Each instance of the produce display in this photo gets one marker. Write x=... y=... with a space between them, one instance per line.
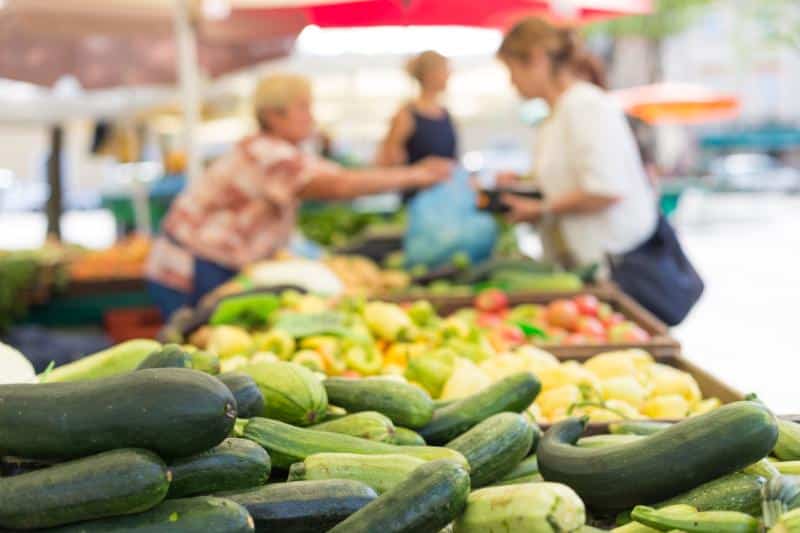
x=124 y=259
x=166 y=449
x=457 y=356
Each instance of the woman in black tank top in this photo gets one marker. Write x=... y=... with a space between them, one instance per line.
x=421 y=128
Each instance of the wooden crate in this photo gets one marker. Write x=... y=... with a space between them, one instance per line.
x=710 y=385
x=660 y=343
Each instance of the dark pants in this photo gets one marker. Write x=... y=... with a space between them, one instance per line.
x=207 y=277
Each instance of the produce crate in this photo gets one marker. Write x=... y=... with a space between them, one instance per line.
x=710 y=385
x=660 y=343
x=132 y=323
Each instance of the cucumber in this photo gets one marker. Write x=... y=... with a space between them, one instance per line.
x=119 y=359
x=107 y=484
x=429 y=499
x=526 y=468
x=292 y=393
x=169 y=356
x=660 y=466
x=637 y=427
x=407 y=437
x=788 y=446
x=287 y=444
x=249 y=400
x=494 y=447
x=174 y=412
x=734 y=492
x=207 y=362
x=369 y=425
x=601 y=441
x=696 y=521
x=202 y=514
x=513 y=393
x=404 y=404
x=381 y=472
x=530 y=507
x=235 y=464
x=303 y=506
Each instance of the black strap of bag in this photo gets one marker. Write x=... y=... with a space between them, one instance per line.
x=659 y=276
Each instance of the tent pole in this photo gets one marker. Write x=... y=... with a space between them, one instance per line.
x=188 y=74
x=54 y=205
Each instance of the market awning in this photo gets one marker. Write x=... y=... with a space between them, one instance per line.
x=493 y=14
x=113 y=45
x=678 y=103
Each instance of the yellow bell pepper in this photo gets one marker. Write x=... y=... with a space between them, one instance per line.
x=597 y=414
x=668 y=407
x=422 y=313
x=455 y=327
x=230 y=364
x=667 y=380
x=625 y=388
x=366 y=360
x=310 y=359
x=704 y=406
x=620 y=363
x=388 y=321
x=227 y=341
x=263 y=357
x=568 y=373
x=467 y=379
x=625 y=409
x=535 y=359
x=502 y=366
x=276 y=341
x=559 y=399
x=322 y=344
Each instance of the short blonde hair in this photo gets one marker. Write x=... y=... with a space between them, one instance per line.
x=419 y=65
x=277 y=91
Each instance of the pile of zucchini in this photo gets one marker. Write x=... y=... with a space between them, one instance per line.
x=163 y=443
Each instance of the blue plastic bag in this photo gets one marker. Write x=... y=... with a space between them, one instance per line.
x=444 y=220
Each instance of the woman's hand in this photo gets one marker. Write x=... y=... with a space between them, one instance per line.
x=523 y=209
x=432 y=170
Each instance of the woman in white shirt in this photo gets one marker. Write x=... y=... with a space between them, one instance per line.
x=597 y=198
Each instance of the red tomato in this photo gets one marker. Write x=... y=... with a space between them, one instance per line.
x=587 y=304
x=591 y=327
x=613 y=320
x=563 y=314
x=489 y=320
x=627 y=332
x=491 y=300
x=512 y=334
x=575 y=339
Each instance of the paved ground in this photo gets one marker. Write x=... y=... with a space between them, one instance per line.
x=746 y=328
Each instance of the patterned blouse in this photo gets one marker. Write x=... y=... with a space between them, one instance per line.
x=243 y=209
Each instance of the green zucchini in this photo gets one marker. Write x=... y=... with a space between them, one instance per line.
x=662 y=465
x=107 y=484
x=119 y=359
x=292 y=393
x=494 y=447
x=637 y=427
x=734 y=492
x=429 y=499
x=381 y=472
x=370 y=425
x=287 y=444
x=249 y=400
x=234 y=464
x=302 y=506
x=514 y=393
x=696 y=521
x=788 y=445
x=635 y=527
x=780 y=495
x=601 y=441
x=526 y=468
x=201 y=514
x=407 y=437
x=406 y=405
x=529 y=507
x=207 y=362
x=174 y=412
x=168 y=356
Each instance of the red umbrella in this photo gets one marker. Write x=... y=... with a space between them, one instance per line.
x=483 y=13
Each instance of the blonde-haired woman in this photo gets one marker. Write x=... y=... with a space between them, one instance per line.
x=422 y=127
x=244 y=208
x=597 y=198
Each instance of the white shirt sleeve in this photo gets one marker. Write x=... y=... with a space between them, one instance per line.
x=601 y=146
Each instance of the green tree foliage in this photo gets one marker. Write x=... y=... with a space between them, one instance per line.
x=668 y=18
